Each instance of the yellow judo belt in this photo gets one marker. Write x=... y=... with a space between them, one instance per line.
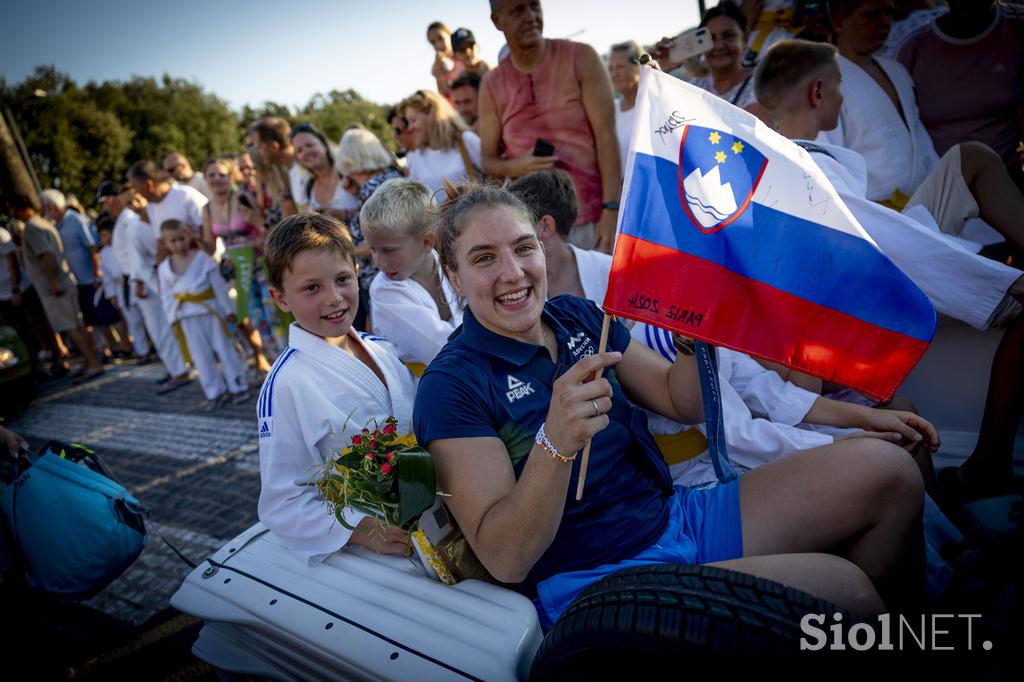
x=897 y=201
x=201 y=298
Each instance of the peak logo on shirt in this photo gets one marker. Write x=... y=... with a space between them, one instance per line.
x=517 y=389
x=266 y=428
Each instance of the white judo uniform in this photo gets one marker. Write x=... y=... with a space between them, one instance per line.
x=958 y=282
x=120 y=255
x=760 y=412
x=897 y=149
x=203 y=322
x=406 y=315
x=142 y=268
x=314 y=400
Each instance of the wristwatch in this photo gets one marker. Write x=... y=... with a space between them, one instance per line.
x=611 y=205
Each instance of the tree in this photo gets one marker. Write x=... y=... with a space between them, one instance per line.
x=79 y=136
x=337 y=110
x=73 y=145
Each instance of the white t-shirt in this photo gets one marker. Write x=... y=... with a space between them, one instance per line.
x=198 y=182
x=624 y=130
x=431 y=166
x=181 y=202
x=341 y=201
x=297 y=176
x=593 y=268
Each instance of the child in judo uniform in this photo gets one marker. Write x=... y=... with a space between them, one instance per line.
x=327 y=385
x=413 y=306
x=195 y=299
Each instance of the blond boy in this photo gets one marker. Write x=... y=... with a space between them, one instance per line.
x=413 y=306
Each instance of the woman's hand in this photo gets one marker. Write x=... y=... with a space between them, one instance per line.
x=390 y=540
x=580 y=404
x=661 y=54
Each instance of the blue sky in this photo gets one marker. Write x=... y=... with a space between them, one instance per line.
x=254 y=50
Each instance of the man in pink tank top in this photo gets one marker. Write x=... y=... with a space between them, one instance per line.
x=552 y=97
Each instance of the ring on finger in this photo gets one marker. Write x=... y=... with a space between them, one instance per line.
x=597 y=410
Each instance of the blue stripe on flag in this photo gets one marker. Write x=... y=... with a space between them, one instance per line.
x=797 y=256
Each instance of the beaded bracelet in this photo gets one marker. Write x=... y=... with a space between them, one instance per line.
x=542 y=440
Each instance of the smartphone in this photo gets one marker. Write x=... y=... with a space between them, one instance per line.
x=690 y=44
x=543 y=148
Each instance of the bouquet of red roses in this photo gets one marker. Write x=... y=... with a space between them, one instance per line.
x=382 y=474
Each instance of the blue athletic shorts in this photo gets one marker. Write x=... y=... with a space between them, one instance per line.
x=703 y=526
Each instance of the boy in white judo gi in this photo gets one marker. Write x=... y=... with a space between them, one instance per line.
x=797 y=83
x=140 y=247
x=327 y=385
x=196 y=302
x=413 y=306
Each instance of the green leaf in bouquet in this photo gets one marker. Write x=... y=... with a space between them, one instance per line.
x=352 y=460
x=417 y=486
x=381 y=484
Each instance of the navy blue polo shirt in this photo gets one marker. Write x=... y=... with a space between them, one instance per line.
x=483 y=384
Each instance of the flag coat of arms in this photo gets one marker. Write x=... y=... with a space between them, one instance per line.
x=730 y=234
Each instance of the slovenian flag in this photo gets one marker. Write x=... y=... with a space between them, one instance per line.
x=730 y=234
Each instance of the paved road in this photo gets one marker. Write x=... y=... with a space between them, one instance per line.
x=199 y=473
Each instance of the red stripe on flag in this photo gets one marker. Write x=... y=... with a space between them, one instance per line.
x=706 y=301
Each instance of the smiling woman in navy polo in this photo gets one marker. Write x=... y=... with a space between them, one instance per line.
x=510 y=400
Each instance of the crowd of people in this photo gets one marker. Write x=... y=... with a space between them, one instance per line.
x=363 y=284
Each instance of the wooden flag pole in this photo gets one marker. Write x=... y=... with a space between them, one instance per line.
x=586 y=446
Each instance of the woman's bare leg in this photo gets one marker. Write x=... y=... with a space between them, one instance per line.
x=825 y=576
x=860 y=499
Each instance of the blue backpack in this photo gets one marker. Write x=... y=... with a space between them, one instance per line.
x=74 y=528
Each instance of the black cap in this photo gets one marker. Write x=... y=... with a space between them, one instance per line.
x=108 y=188
x=462 y=38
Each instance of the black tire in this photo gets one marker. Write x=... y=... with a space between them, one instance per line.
x=686 y=619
